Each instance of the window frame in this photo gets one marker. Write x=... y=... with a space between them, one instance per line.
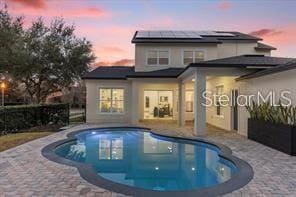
x=192 y=91
x=157 y=58
x=193 y=50
x=218 y=106
x=98 y=101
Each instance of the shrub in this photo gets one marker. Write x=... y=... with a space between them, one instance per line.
x=16 y=118
x=278 y=114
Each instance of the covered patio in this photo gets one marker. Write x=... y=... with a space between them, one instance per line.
x=199 y=74
x=199 y=78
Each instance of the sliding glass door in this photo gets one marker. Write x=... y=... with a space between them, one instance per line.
x=158 y=104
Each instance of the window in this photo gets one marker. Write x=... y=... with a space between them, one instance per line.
x=163 y=57
x=192 y=57
x=219 y=92
x=111 y=100
x=152 y=57
x=189 y=101
x=158 y=57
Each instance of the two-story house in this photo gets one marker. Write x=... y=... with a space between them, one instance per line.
x=172 y=72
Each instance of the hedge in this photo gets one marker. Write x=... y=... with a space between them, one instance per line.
x=17 y=118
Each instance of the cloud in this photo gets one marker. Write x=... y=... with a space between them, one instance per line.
x=38 y=4
x=122 y=62
x=281 y=37
x=224 y=5
x=90 y=12
x=110 y=49
x=64 y=9
x=266 y=32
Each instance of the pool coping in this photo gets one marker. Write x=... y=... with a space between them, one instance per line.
x=243 y=176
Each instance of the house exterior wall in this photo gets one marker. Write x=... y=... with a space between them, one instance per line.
x=275 y=82
x=93 y=115
x=229 y=49
x=92 y=97
x=175 y=54
x=212 y=51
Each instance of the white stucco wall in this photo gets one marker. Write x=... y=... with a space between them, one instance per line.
x=175 y=54
x=232 y=48
x=92 y=97
x=93 y=115
x=212 y=51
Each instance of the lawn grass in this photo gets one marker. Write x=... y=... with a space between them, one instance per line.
x=16 y=139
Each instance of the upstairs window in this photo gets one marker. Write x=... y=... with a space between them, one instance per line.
x=158 y=57
x=192 y=57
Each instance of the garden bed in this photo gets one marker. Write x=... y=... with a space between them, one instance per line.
x=278 y=136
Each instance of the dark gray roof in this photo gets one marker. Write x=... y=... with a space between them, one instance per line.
x=109 y=72
x=124 y=72
x=189 y=36
x=262 y=46
x=164 y=73
x=244 y=61
x=280 y=68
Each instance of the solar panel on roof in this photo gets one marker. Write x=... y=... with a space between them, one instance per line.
x=142 y=34
x=180 y=34
x=154 y=34
x=167 y=34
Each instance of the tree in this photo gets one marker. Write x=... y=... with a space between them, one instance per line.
x=42 y=59
x=50 y=58
x=10 y=34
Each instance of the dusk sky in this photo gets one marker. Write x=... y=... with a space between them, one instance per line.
x=110 y=25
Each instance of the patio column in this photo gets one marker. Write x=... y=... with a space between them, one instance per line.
x=199 y=100
x=181 y=104
x=135 y=103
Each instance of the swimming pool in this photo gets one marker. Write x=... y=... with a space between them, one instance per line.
x=134 y=158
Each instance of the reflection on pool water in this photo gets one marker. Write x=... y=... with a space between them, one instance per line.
x=141 y=159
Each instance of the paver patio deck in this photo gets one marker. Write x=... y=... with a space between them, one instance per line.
x=25 y=172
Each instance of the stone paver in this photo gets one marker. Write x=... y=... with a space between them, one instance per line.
x=25 y=172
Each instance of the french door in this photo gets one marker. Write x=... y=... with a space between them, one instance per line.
x=158 y=104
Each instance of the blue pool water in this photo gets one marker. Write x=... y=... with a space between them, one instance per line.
x=141 y=159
